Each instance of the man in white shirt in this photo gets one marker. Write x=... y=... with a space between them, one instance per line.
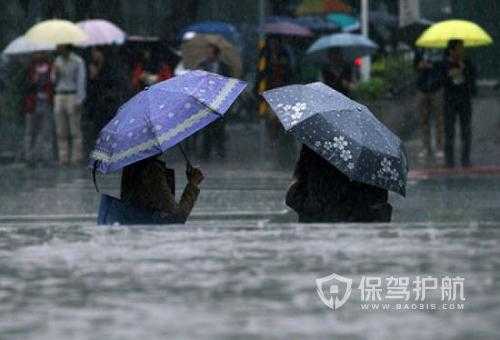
x=69 y=78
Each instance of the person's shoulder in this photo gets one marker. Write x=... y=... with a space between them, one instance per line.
x=76 y=58
x=204 y=63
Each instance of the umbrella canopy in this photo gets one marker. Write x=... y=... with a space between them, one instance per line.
x=285 y=28
x=101 y=32
x=226 y=30
x=343 y=132
x=308 y=7
x=21 y=45
x=410 y=33
x=317 y=24
x=346 y=22
x=57 y=32
x=162 y=116
x=438 y=35
x=383 y=17
x=196 y=50
x=352 y=45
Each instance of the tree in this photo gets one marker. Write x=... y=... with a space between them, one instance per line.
x=182 y=13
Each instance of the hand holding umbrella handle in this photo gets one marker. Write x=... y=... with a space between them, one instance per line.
x=185 y=156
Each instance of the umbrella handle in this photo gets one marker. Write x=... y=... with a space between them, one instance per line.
x=94 y=170
x=185 y=155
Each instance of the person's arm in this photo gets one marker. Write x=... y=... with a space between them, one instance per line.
x=297 y=191
x=157 y=194
x=81 y=83
x=472 y=78
x=54 y=71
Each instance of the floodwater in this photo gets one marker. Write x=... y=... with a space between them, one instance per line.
x=246 y=277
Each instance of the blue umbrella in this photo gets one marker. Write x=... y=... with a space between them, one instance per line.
x=346 y=22
x=224 y=29
x=351 y=45
x=317 y=24
x=343 y=132
x=162 y=116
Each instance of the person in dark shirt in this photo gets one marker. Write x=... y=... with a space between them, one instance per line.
x=323 y=194
x=214 y=137
x=459 y=87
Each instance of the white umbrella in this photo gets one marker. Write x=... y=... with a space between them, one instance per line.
x=101 y=32
x=352 y=46
x=22 y=45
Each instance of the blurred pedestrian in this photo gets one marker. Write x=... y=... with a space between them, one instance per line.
x=459 y=87
x=38 y=134
x=276 y=70
x=147 y=71
x=323 y=194
x=338 y=73
x=69 y=78
x=215 y=135
x=278 y=74
x=429 y=84
x=107 y=88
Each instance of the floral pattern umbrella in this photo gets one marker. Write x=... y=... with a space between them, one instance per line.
x=343 y=132
x=162 y=116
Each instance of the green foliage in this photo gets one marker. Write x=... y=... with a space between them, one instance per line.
x=372 y=89
x=390 y=75
x=394 y=69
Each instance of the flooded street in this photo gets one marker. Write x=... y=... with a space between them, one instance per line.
x=347 y=110
x=248 y=273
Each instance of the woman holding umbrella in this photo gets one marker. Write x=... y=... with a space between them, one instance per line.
x=349 y=160
x=321 y=193
x=459 y=78
x=152 y=122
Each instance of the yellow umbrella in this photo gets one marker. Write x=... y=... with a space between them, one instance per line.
x=55 y=31
x=194 y=51
x=438 y=35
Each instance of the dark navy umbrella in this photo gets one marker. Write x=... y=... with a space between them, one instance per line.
x=162 y=116
x=343 y=132
x=228 y=31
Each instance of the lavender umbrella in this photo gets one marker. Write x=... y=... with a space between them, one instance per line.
x=285 y=28
x=101 y=32
x=162 y=116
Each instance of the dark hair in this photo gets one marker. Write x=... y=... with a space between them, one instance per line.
x=454 y=43
x=215 y=48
